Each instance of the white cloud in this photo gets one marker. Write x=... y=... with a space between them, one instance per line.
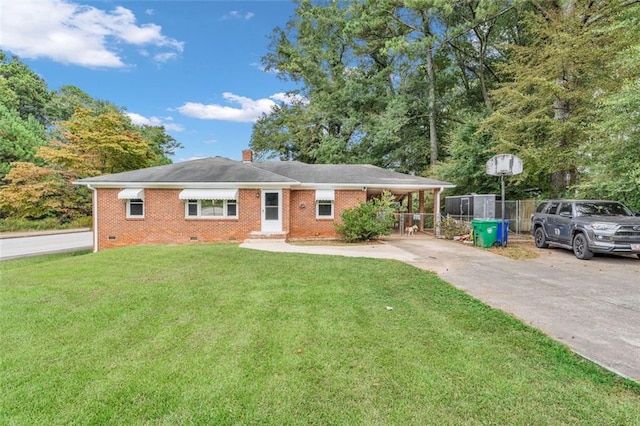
x=166 y=122
x=77 y=34
x=249 y=110
x=165 y=57
x=235 y=14
x=289 y=99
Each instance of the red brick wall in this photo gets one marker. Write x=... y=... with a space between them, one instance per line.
x=164 y=219
x=304 y=223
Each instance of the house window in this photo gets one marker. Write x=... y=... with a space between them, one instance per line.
x=211 y=208
x=324 y=203
x=324 y=209
x=135 y=207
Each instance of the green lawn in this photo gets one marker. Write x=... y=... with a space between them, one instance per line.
x=215 y=334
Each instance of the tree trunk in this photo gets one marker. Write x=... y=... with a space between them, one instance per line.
x=433 y=134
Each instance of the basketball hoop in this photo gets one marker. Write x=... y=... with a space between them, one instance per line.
x=503 y=165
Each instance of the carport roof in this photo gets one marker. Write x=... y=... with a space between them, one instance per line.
x=358 y=174
x=219 y=170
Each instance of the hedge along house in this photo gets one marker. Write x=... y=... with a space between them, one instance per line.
x=218 y=199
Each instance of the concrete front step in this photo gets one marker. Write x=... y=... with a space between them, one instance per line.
x=271 y=236
x=264 y=240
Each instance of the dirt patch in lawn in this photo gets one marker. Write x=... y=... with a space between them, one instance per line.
x=517 y=250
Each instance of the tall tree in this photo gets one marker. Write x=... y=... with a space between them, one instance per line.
x=161 y=144
x=612 y=166
x=19 y=138
x=477 y=33
x=64 y=101
x=30 y=94
x=90 y=144
x=35 y=192
x=316 y=50
x=543 y=112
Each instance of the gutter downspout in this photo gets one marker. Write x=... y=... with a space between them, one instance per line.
x=95 y=217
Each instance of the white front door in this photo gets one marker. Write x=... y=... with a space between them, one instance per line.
x=271 y=210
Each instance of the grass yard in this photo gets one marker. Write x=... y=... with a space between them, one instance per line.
x=215 y=334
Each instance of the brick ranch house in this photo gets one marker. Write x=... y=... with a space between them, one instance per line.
x=217 y=199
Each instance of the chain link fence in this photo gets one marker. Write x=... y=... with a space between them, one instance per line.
x=518 y=212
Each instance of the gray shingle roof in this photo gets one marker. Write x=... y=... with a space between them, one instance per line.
x=212 y=169
x=224 y=170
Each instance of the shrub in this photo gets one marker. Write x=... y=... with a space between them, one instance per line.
x=368 y=221
x=451 y=227
x=19 y=225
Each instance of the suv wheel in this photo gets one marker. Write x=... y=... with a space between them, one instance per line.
x=539 y=238
x=581 y=248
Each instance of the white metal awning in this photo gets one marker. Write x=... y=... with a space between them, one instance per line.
x=131 y=194
x=209 y=194
x=325 y=195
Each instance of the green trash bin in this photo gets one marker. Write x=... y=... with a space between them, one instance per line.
x=485 y=232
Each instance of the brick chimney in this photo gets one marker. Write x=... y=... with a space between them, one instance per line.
x=247 y=156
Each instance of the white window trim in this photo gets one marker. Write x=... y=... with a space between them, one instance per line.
x=135 y=216
x=331 y=202
x=199 y=210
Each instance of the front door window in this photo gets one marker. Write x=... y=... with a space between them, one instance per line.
x=271 y=211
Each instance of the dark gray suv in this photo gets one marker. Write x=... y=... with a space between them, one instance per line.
x=587 y=227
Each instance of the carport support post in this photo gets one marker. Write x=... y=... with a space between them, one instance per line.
x=436 y=211
x=409 y=210
x=421 y=210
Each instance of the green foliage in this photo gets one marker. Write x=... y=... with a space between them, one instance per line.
x=23 y=225
x=161 y=144
x=94 y=143
x=468 y=150
x=65 y=101
x=53 y=138
x=613 y=169
x=545 y=110
x=19 y=138
x=398 y=84
x=368 y=221
x=28 y=92
x=33 y=192
x=452 y=228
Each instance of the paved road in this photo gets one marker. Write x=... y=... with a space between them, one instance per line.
x=18 y=245
x=591 y=306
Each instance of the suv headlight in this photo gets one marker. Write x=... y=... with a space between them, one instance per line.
x=603 y=226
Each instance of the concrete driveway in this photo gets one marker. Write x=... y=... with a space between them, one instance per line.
x=591 y=306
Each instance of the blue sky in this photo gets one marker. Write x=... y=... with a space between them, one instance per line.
x=192 y=66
